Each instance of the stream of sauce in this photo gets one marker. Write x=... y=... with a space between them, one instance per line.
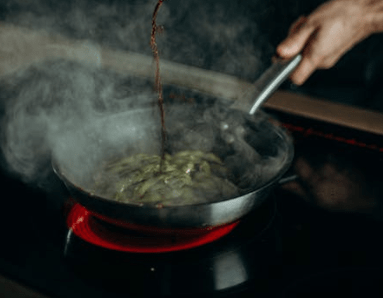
x=158 y=85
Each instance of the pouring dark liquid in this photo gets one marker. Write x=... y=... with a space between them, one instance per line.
x=158 y=85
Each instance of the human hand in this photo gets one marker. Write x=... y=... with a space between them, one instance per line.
x=329 y=32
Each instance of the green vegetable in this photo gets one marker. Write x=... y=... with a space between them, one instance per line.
x=187 y=177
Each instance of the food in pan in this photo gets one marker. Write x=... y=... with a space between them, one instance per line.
x=187 y=177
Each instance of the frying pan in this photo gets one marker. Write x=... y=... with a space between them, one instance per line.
x=137 y=131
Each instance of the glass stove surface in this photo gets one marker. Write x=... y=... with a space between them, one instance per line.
x=327 y=233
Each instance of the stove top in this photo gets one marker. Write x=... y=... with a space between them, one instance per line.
x=224 y=266
x=316 y=235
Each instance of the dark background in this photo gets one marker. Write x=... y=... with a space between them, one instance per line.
x=316 y=240
x=356 y=79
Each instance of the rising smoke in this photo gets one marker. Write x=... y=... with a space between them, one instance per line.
x=58 y=97
x=48 y=100
x=217 y=35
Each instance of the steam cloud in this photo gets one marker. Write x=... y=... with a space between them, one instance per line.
x=217 y=35
x=48 y=101
x=56 y=98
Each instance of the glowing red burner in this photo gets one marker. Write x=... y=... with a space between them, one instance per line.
x=85 y=225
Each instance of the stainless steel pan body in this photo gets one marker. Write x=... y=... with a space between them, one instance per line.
x=137 y=131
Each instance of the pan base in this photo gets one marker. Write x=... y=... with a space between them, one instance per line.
x=100 y=233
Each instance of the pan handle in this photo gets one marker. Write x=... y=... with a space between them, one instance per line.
x=270 y=80
x=288 y=178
